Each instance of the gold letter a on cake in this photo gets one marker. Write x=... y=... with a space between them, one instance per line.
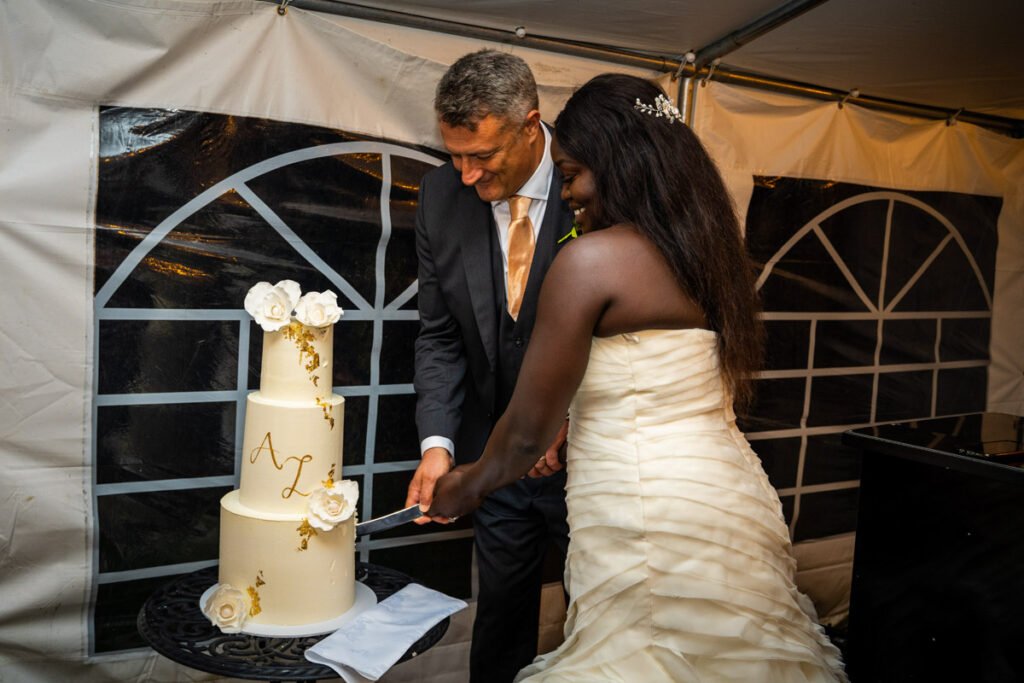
x=268 y=445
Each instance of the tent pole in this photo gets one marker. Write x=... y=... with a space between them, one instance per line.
x=568 y=47
x=686 y=100
x=692 y=114
x=745 y=34
x=1001 y=124
x=723 y=73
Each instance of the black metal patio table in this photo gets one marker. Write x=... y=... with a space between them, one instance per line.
x=172 y=623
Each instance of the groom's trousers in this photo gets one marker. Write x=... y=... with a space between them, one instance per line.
x=514 y=529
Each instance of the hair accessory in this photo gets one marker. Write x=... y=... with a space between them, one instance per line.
x=662 y=108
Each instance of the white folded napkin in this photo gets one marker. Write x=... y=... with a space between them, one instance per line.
x=366 y=647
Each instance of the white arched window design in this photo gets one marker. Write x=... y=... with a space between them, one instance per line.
x=372 y=306
x=864 y=304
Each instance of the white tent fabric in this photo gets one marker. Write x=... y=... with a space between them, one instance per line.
x=241 y=57
x=758 y=133
x=59 y=61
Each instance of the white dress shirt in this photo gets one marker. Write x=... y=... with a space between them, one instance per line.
x=536 y=188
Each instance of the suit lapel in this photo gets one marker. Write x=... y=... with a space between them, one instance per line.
x=477 y=228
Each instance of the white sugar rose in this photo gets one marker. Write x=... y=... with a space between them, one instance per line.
x=227 y=608
x=329 y=507
x=318 y=309
x=272 y=305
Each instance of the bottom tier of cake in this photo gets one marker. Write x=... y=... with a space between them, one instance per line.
x=292 y=576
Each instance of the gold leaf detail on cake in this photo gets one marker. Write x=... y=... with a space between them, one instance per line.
x=254 y=594
x=328 y=410
x=303 y=337
x=329 y=481
x=306 y=532
x=268 y=445
x=254 y=598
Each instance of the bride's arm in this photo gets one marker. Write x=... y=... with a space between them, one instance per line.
x=572 y=300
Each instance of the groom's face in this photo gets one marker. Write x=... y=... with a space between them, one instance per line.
x=498 y=157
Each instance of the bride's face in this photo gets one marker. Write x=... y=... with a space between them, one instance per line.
x=578 y=188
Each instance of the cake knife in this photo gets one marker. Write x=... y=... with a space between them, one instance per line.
x=378 y=524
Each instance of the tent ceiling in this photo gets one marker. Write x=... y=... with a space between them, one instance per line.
x=946 y=53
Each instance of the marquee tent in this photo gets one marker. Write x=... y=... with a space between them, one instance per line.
x=945 y=54
x=157 y=157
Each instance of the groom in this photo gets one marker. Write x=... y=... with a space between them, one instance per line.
x=487 y=229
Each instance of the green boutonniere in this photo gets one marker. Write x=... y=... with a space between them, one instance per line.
x=572 y=234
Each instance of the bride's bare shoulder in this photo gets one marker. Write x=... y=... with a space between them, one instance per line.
x=612 y=243
x=618 y=249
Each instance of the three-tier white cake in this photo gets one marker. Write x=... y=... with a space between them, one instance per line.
x=287 y=533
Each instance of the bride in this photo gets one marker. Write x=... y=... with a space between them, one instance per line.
x=679 y=565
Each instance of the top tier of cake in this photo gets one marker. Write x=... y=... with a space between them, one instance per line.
x=293 y=430
x=292 y=438
x=297 y=363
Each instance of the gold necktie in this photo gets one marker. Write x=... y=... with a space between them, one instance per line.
x=520 y=252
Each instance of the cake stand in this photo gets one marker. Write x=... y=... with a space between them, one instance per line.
x=173 y=625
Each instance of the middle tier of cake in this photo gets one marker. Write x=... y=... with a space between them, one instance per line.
x=289 y=449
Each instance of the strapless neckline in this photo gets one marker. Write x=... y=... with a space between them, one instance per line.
x=659 y=332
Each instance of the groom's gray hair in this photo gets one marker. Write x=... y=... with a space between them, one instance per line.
x=482 y=83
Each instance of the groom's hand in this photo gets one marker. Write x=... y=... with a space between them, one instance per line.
x=435 y=464
x=553 y=459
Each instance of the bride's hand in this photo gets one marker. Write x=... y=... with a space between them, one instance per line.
x=552 y=462
x=455 y=494
x=553 y=459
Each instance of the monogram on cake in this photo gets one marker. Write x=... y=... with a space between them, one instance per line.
x=287 y=534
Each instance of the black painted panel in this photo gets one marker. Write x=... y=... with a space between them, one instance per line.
x=117 y=608
x=445 y=568
x=786 y=344
x=167 y=441
x=904 y=395
x=397 y=439
x=142 y=356
x=826 y=514
x=827 y=460
x=840 y=400
x=845 y=343
x=151 y=529
x=779 y=458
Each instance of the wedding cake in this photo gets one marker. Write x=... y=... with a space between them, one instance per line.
x=287 y=533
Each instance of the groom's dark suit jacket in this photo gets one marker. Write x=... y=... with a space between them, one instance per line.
x=469 y=350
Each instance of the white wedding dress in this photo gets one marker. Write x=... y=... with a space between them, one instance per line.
x=680 y=565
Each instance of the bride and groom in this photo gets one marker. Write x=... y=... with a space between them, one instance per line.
x=679 y=566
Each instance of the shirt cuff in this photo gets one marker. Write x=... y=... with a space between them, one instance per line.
x=434 y=442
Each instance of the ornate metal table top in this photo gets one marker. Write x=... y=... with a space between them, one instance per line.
x=172 y=623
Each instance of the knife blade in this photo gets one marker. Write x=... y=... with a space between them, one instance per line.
x=378 y=524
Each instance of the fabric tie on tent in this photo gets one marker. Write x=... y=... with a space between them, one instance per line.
x=369 y=645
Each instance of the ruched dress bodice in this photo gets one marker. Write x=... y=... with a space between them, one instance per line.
x=679 y=566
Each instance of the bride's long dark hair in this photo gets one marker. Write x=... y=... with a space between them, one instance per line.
x=654 y=173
